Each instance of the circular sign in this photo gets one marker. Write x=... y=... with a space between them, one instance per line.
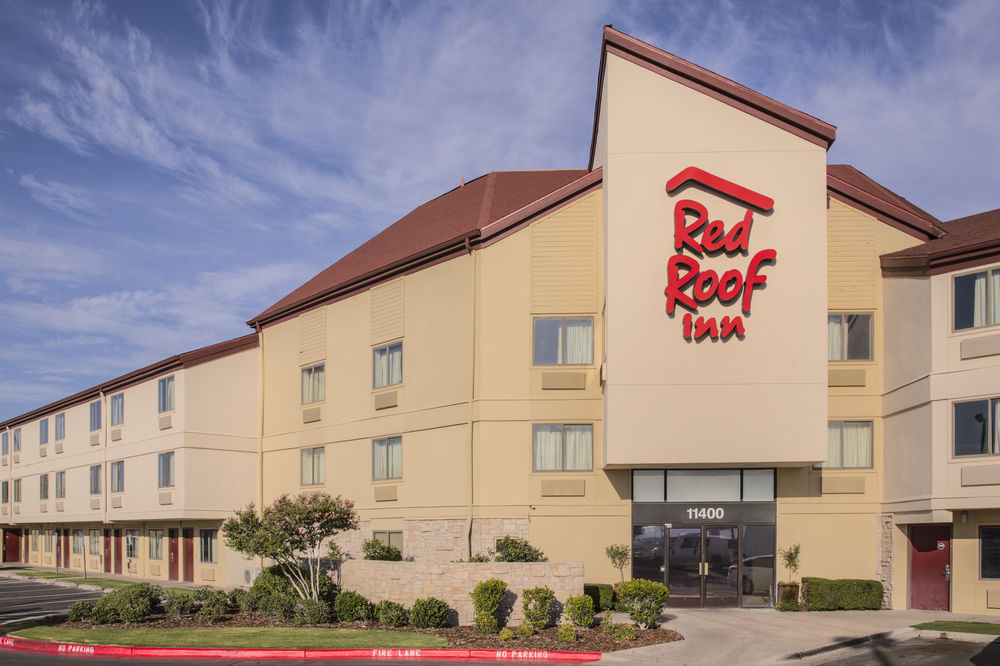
x=940 y=545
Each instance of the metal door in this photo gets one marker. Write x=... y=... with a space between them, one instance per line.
x=930 y=567
x=174 y=554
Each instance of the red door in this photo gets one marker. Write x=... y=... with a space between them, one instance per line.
x=65 y=548
x=118 y=551
x=174 y=555
x=107 y=551
x=12 y=545
x=930 y=567
x=188 y=554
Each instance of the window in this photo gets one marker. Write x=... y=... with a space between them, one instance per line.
x=394 y=539
x=989 y=552
x=165 y=470
x=849 y=337
x=118 y=476
x=17 y=490
x=564 y=341
x=48 y=541
x=156 y=544
x=563 y=448
x=95 y=479
x=60 y=485
x=43 y=487
x=43 y=432
x=35 y=539
x=849 y=445
x=78 y=542
x=703 y=485
x=95 y=415
x=387 y=458
x=17 y=440
x=132 y=543
x=312 y=466
x=60 y=427
x=4 y=443
x=117 y=409
x=313 y=384
x=4 y=492
x=977 y=299
x=976 y=424
x=209 y=545
x=94 y=544
x=165 y=394
x=387 y=365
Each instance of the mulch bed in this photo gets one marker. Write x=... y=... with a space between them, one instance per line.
x=587 y=640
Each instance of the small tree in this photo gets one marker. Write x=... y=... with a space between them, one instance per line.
x=790 y=558
x=289 y=530
x=619 y=554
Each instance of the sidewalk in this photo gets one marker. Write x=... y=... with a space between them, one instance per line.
x=14 y=569
x=733 y=636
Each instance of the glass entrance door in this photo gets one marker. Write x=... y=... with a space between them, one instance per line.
x=647 y=552
x=720 y=566
x=702 y=566
x=684 y=566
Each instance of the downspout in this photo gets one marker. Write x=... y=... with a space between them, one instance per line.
x=260 y=422
x=105 y=472
x=10 y=477
x=472 y=394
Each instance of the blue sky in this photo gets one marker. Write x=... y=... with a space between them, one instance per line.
x=170 y=169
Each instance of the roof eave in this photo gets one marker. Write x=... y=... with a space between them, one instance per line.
x=887 y=212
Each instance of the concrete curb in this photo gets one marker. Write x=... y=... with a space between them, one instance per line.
x=54 y=581
x=956 y=636
x=257 y=654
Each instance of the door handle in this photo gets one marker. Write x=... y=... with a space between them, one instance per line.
x=947 y=572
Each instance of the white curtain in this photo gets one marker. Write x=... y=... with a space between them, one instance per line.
x=979 y=311
x=395 y=363
x=117 y=409
x=857 y=444
x=380 y=367
x=835 y=337
x=166 y=394
x=388 y=365
x=580 y=341
x=994 y=297
x=313 y=384
x=579 y=441
x=395 y=461
x=548 y=447
x=380 y=462
x=305 y=467
x=833 y=457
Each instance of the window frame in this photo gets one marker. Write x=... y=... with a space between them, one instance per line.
x=389 y=441
x=60 y=427
x=845 y=336
x=991 y=428
x=43 y=487
x=155 y=538
x=388 y=348
x=386 y=537
x=16 y=491
x=77 y=541
x=562 y=342
x=95 y=415
x=162 y=394
x=4 y=443
x=116 y=471
x=171 y=480
x=17 y=440
x=979 y=536
x=562 y=451
x=212 y=542
x=954 y=299
x=4 y=492
x=96 y=477
x=94 y=543
x=120 y=416
x=48 y=537
x=311 y=453
x=60 y=485
x=311 y=371
x=132 y=544
x=871 y=443
x=43 y=431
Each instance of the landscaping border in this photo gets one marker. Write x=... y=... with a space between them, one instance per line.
x=370 y=654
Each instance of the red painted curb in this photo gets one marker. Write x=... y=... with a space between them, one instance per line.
x=376 y=654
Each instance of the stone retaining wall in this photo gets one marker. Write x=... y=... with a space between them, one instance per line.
x=405 y=582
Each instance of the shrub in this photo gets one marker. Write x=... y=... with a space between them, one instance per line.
x=391 y=613
x=602 y=594
x=178 y=603
x=580 y=610
x=643 y=600
x=79 y=611
x=203 y=592
x=623 y=633
x=129 y=603
x=486 y=623
x=274 y=581
x=277 y=605
x=374 y=549
x=537 y=603
x=429 y=613
x=479 y=557
x=526 y=630
x=607 y=624
x=241 y=599
x=513 y=549
x=486 y=599
x=506 y=634
x=213 y=606
x=311 y=611
x=620 y=555
x=566 y=633
x=822 y=594
x=788 y=606
x=352 y=607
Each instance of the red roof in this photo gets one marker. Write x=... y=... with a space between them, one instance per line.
x=450 y=218
x=847 y=184
x=969 y=241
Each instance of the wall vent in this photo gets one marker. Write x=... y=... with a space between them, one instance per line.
x=60 y=506
x=166 y=422
x=95 y=439
x=311 y=415
x=43 y=451
x=116 y=502
x=95 y=503
x=59 y=447
x=116 y=434
x=166 y=498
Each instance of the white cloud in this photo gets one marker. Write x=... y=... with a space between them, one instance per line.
x=72 y=201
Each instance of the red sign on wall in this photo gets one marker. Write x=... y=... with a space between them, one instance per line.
x=690 y=286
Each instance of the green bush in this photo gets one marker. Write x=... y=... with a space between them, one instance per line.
x=506 y=634
x=566 y=633
x=643 y=600
x=537 y=604
x=203 y=592
x=603 y=595
x=788 y=606
x=374 y=549
x=823 y=594
x=486 y=599
x=310 y=611
x=623 y=633
x=580 y=610
x=241 y=600
x=352 y=607
x=129 y=603
x=277 y=605
x=513 y=549
x=79 y=611
x=526 y=630
x=486 y=623
x=391 y=613
x=213 y=606
x=274 y=581
x=429 y=613
x=178 y=603
x=479 y=557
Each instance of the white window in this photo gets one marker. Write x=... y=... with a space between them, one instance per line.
x=849 y=337
x=48 y=540
x=387 y=458
x=564 y=340
x=95 y=415
x=132 y=543
x=4 y=492
x=563 y=448
x=312 y=466
x=313 y=384
x=43 y=487
x=17 y=490
x=95 y=479
x=17 y=440
x=165 y=470
x=117 y=409
x=156 y=544
x=849 y=445
x=35 y=538
x=209 y=545
x=94 y=542
x=60 y=427
x=165 y=394
x=977 y=299
x=387 y=365
x=118 y=476
x=43 y=432
x=78 y=542
x=4 y=444
x=60 y=485
x=976 y=427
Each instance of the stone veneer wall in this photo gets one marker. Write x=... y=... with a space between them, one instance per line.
x=405 y=582
x=486 y=531
x=885 y=530
x=434 y=540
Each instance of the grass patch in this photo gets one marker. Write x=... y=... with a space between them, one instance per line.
x=236 y=637
x=988 y=628
x=45 y=574
x=103 y=582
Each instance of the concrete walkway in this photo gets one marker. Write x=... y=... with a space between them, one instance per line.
x=735 y=637
x=15 y=570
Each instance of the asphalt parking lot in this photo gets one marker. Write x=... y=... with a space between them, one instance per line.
x=25 y=599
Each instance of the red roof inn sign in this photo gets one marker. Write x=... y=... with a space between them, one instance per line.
x=691 y=287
